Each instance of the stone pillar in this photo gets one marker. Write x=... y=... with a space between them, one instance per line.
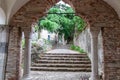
x=94 y=53
x=27 y=54
x=3 y=49
x=13 y=58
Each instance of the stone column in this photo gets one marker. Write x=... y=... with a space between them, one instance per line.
x=3 y=49
x=94 y=53
x=13 y=56
x=27 y=54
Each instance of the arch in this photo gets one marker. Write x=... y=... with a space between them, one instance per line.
x=20 y=3
x=96 y=12
x=14 y=6
x=2 y=16
x=115 y=4
x=93 y=11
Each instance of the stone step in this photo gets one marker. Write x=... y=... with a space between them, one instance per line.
x=63 y=65
x=65 y=54
x=63 y=61
x=61 y=69
x=64 y=58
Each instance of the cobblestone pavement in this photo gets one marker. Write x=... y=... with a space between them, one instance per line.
x=58 y=76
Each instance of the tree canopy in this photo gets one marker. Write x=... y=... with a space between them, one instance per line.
x=62 y=20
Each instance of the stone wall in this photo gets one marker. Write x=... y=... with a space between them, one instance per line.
x=84 y=41
x=92 y=11
x=111 y=43
x=3 y=49
x=14 y=49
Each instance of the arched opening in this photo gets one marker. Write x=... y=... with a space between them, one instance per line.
x=64 y=18
x=91 y=11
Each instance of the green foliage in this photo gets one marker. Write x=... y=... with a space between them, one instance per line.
x=34 y=43
x=77 y=48
x=53 y=18
x=79 y=23
x=49 y=25
x=54 y=10
x=62 y=23
x=23 y=43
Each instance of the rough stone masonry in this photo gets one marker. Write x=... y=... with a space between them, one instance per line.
x=96 y=13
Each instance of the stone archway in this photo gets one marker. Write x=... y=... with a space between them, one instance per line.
x=97 y=13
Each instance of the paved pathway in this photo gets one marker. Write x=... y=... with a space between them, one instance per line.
x=62 y=51
x=58 y=76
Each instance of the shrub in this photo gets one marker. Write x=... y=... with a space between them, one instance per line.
x=23 y=43
x=77 y=48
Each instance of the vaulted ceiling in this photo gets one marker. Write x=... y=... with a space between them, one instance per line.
x=14 y=5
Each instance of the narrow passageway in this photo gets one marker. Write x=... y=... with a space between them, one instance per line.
x=61 y=64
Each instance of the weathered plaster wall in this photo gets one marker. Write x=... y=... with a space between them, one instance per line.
x=84 y=41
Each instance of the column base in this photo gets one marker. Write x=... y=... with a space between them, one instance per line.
x=90 y=78
x=26 y=76
x=94 y=78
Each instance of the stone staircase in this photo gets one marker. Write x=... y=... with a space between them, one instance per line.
x=62 y=62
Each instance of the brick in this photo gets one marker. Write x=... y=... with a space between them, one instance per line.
x=93 y=11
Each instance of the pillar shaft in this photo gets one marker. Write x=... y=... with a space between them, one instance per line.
x=27 y=55
x=94 y=59
x=94 y=54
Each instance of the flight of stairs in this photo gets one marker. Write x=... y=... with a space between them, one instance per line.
x=62 y=62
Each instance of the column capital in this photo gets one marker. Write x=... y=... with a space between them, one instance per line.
x=95 y=31
x=27 y=32
x=27 y=35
